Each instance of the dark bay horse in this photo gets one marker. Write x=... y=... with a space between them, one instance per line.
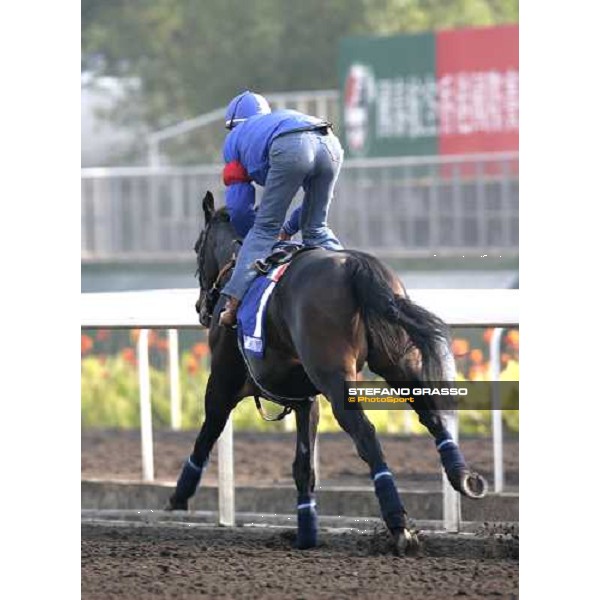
x=332 y=313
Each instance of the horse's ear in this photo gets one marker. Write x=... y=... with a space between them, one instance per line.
x=208 y=206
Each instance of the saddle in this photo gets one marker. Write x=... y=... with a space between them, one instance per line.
x=283 y=252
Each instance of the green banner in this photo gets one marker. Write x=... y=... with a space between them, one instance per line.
x=388 y=96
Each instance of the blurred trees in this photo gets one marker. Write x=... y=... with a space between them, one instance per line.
x=191 y=57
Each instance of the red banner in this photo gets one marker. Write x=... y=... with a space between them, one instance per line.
x=477 y=72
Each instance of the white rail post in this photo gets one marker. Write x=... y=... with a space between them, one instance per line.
x=226 y=478
x=451 y=498
x=175 y=394
x=495 y=365
x=153 y=151
x=145 y=407
x=316 y=460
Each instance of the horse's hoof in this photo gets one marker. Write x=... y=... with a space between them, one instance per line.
x=306 y=544
x=473 y=485
x=406 y=543
x=173 y=504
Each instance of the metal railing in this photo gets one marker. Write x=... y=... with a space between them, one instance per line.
x=172 y=309
x=418 y=206
x=321 y=103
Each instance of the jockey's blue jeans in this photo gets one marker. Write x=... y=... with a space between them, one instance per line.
x=305 y=159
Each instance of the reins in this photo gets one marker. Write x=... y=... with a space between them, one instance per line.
x=230 y=264
x=212 y=295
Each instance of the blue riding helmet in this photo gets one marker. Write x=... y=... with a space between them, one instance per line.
x=246 y=105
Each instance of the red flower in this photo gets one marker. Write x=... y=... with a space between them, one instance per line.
x=102 y=335
x=128 y=355
x=87 y=343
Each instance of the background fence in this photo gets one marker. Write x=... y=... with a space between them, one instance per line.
x=444 y=205
x=171 y=309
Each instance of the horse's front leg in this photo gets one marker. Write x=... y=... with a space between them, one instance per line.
x=223 y=392
x=307 y=421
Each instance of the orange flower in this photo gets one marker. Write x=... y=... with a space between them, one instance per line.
x=153 y=339
x=477 y=356
x=162 y=344
x=487 y=335
x=512 y=338
x=87 y=343
x=504 y=358
x=460 y=347
x=200 y=350
x=191 y=364
x=134 y=335
x=128 y=355
x=477 y=373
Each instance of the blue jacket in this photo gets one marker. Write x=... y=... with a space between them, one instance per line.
x=249 y=143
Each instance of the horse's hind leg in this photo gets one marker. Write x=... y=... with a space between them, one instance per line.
x=222 y=395
x=459 y=475
x=356 y=424
x=307 y=421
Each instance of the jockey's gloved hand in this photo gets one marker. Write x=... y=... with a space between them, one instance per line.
x=284 y=236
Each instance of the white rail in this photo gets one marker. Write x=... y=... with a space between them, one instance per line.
x=174 y=309
x=321 y=103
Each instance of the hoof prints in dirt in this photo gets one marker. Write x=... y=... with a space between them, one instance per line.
x=152 y=562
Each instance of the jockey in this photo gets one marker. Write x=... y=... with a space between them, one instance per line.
x=282 y=151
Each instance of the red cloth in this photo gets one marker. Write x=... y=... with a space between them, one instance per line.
x=234 y=172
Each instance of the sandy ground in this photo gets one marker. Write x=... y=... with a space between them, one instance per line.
x=132 y=562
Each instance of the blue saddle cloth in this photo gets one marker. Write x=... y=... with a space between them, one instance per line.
x=252 y=313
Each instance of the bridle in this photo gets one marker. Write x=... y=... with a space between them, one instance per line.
x=212 y=292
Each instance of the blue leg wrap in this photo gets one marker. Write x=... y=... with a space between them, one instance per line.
x=392 y=509
x=188 y=480
x=450 y=455
x=307 y=522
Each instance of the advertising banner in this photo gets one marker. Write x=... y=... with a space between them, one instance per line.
x=450 y=92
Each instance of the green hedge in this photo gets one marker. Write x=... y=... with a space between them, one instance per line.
x=110 y=399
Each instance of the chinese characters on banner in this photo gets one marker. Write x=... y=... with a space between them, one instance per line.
x=454 y=92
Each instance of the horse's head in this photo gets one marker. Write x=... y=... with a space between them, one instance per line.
x=215 y=251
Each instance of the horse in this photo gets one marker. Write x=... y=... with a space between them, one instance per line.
x=332 y=313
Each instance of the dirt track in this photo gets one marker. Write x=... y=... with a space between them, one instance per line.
x=132 y=562
x=266 y=458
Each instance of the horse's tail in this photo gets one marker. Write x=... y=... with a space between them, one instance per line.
x=384 y=311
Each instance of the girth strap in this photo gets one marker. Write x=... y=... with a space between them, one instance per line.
x=284 y=413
